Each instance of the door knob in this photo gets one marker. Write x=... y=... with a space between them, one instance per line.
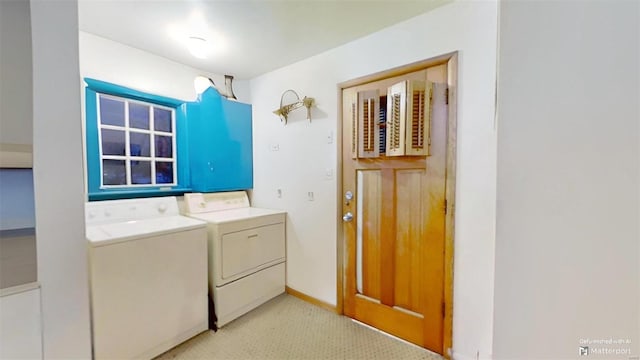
x=347 y=217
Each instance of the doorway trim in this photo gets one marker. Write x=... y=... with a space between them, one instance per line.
x=451 y=59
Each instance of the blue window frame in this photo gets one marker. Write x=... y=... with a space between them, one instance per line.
x=136 y=143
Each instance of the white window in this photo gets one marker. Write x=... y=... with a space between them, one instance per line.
x=137 y=143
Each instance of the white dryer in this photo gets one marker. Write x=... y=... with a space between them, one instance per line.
x=246 y=251
x=148 y=275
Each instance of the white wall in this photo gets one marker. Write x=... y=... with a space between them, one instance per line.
x=568 y=239
x=15 y=73
x=304 y=155
x=58 y=181
x=110 y=61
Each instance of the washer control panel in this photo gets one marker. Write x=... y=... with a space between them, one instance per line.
x=103 y=212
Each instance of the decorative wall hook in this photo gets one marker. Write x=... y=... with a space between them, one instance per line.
x=284 y=110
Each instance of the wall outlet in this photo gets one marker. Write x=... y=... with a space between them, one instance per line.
x=330 y=137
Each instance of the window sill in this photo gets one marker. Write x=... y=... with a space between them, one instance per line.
x=137 y=193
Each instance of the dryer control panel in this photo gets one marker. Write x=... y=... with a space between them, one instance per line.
x=198 y=203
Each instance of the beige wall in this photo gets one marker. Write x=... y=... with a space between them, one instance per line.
x=15 y=73
x=568 y=239
x=58 y=181
x=305 y=155
x=110 y=61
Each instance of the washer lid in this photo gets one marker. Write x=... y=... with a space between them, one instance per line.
x=105 y=234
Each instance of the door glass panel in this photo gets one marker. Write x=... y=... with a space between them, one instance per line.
x=113 y=142
x=114 y=172
x=359 y=235
x=140 y=144
x=164 y=172
x=162 y=119
x=164 y=146
x=140 y=172
x=111 y=111
x=138 y=116
x=368 y=215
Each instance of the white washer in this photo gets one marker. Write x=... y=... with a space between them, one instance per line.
x=246 y=251
x=148 y=273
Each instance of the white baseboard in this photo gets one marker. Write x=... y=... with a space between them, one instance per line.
x=460 y=356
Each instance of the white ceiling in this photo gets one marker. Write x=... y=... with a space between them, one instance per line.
x=246 y=38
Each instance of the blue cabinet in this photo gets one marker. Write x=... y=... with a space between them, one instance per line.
x=220 y=144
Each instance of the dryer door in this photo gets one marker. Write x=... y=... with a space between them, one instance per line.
x=250 y=250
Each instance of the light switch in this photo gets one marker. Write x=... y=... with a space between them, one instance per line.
x=330 y=137
x=310 y=196
x=328 y=174
x=274 y=147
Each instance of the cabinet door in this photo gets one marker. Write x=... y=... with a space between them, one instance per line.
x=20 y=325
x=220 y=144
x=368 y=124
x=237 y=161
x=203 y=117
x=409 y=118
x=353 y=116
x=396 y=115
x=418 y=117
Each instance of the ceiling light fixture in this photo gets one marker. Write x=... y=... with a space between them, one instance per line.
x=197 y=47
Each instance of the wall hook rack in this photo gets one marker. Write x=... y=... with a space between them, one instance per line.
x=284 y=110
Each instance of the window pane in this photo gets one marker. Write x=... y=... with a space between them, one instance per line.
x=138 y=116
x=162 y=120
x=111 y=111
x=114 y=172
x=139 y=144
x=113 y=142
x=164 y=172
x=140 y=172
x=164 y=146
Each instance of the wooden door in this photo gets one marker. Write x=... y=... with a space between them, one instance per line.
x=394 y=229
